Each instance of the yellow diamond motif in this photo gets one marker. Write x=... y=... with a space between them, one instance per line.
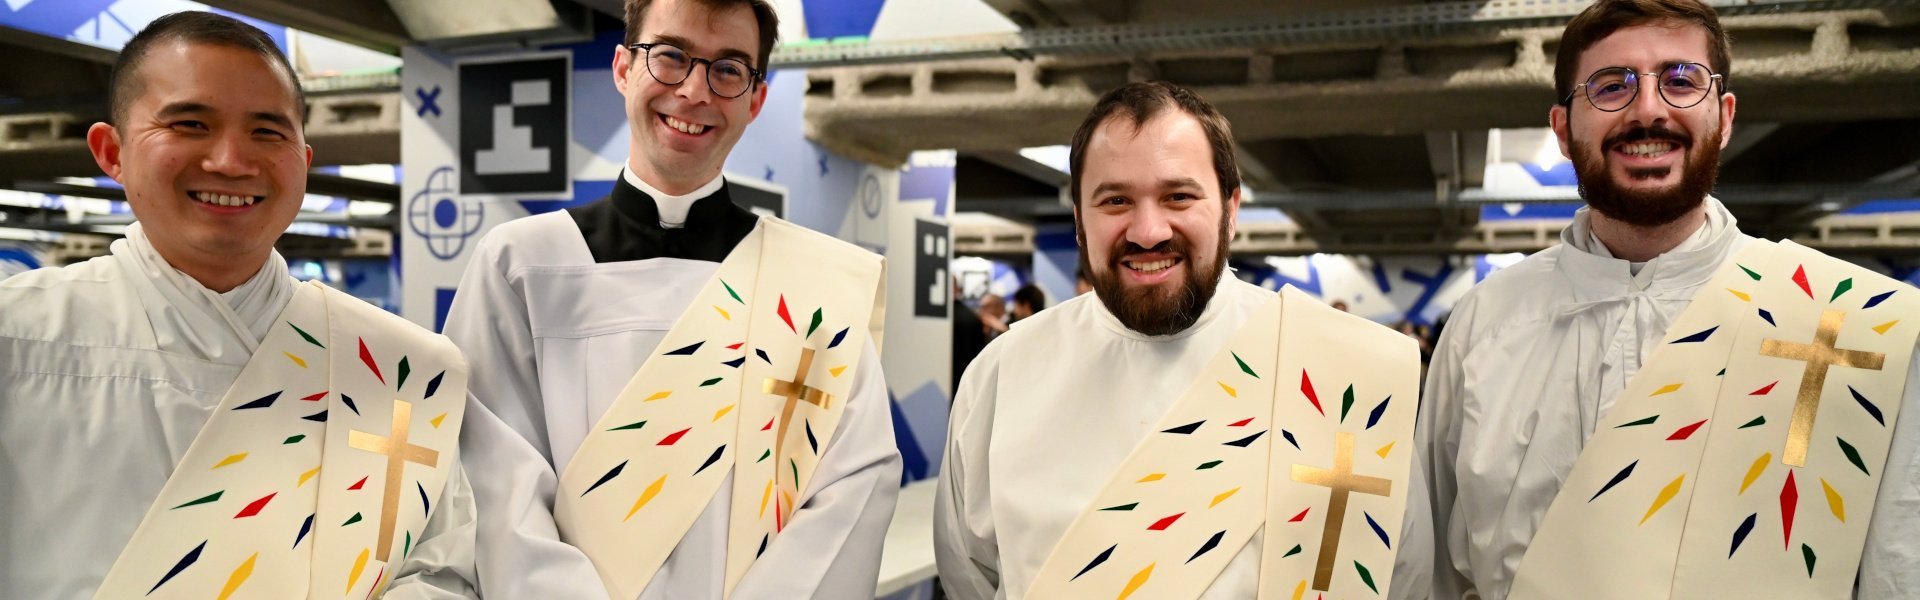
x=231 y=459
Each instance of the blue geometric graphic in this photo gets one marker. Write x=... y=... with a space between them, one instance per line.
x=827 y=19
x=1430 y=285
x=442 y=218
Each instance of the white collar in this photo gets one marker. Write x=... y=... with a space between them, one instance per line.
x=1701 y=236
x=673 y=209
x=196 y=312
x=1683 y=267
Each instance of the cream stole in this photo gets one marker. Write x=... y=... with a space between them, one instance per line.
x=250 y=513
x=1301 y=425
x=751 y=380
x=1743 y=460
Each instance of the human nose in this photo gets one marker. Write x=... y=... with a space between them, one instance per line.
x=1150 y=226
x=695 y=88
x=231 y=157
x=1647 y=107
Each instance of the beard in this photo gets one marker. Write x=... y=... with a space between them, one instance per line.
x=1164 y=309
x=1700 y=168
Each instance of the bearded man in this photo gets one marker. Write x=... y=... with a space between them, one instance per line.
x=1662 y=406
x=1178 y=434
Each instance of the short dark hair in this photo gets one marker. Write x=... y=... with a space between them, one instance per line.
x=1144 y=100
x=1607 y=16
x=193 y=27
x=1031 y=296
x=762 y=13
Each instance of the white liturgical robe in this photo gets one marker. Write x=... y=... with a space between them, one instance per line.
x=1533 y=358
x=108 y=371
x=1020 y=468
x=555 y=320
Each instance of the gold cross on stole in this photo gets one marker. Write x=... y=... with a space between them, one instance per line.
x=1819 y=355
x=398 y=453
x=1342 y=480
x=795 y=392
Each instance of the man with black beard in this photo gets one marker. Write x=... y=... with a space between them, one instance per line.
x=1166 y=437
x=1662 y=406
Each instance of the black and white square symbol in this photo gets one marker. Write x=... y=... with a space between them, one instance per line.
x=514 y=126
x=931 y=290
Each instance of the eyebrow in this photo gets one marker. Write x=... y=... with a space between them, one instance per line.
x=1173 y=183
x=195 y=108
x=182 y=108
x=1659 y=68
x=685 y=44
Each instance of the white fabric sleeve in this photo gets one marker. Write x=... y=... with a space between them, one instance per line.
x=441 y=565
x=1890 y=564
x=1413 y=566
x=1436 y=441
x=966 y=547
x=503 y=442
x=831 y=548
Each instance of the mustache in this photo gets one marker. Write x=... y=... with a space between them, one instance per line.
x=1175 y=245
x=1649 y=134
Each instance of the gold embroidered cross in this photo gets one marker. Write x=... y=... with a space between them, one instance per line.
x=1819 y=356
x=795 y=392
x=1342 y=480
x=398 y=453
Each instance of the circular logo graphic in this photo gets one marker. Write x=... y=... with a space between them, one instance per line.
x=442 y=218
x=869 y=196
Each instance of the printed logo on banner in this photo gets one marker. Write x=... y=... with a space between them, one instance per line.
x=930 y=260
x=515 y=126
x=442 y=218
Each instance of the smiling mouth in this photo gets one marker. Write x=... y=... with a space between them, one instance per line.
x=1151 y=266
x=683 y=126
x=1647 y=149
x=218 y=199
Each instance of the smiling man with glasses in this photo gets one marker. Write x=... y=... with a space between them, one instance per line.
x=1662 y=406
x=678 y=399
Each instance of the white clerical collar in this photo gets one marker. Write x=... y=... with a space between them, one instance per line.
x=1686 y=265
x=1702 y=236
x=248 y=310
x=673 y=209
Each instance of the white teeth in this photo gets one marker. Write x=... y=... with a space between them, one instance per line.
x=1647 y=149
x=685 y=127
x=222 y=199
x=1153 y=267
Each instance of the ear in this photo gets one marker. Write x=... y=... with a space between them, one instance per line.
x=1079 y=227
x=759 y=96
x=1726 y=119
x=622 y=63
x=1233 y=211
x=1557 y=118
x=309 y=148
x=104 y=142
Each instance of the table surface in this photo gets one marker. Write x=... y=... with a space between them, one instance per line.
x=907 y=559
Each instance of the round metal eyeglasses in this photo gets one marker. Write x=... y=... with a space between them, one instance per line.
x=670 y=65
x=1682 y=85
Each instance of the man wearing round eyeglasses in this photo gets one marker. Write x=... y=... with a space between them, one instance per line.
x=1663 y=406
x=675 y=398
